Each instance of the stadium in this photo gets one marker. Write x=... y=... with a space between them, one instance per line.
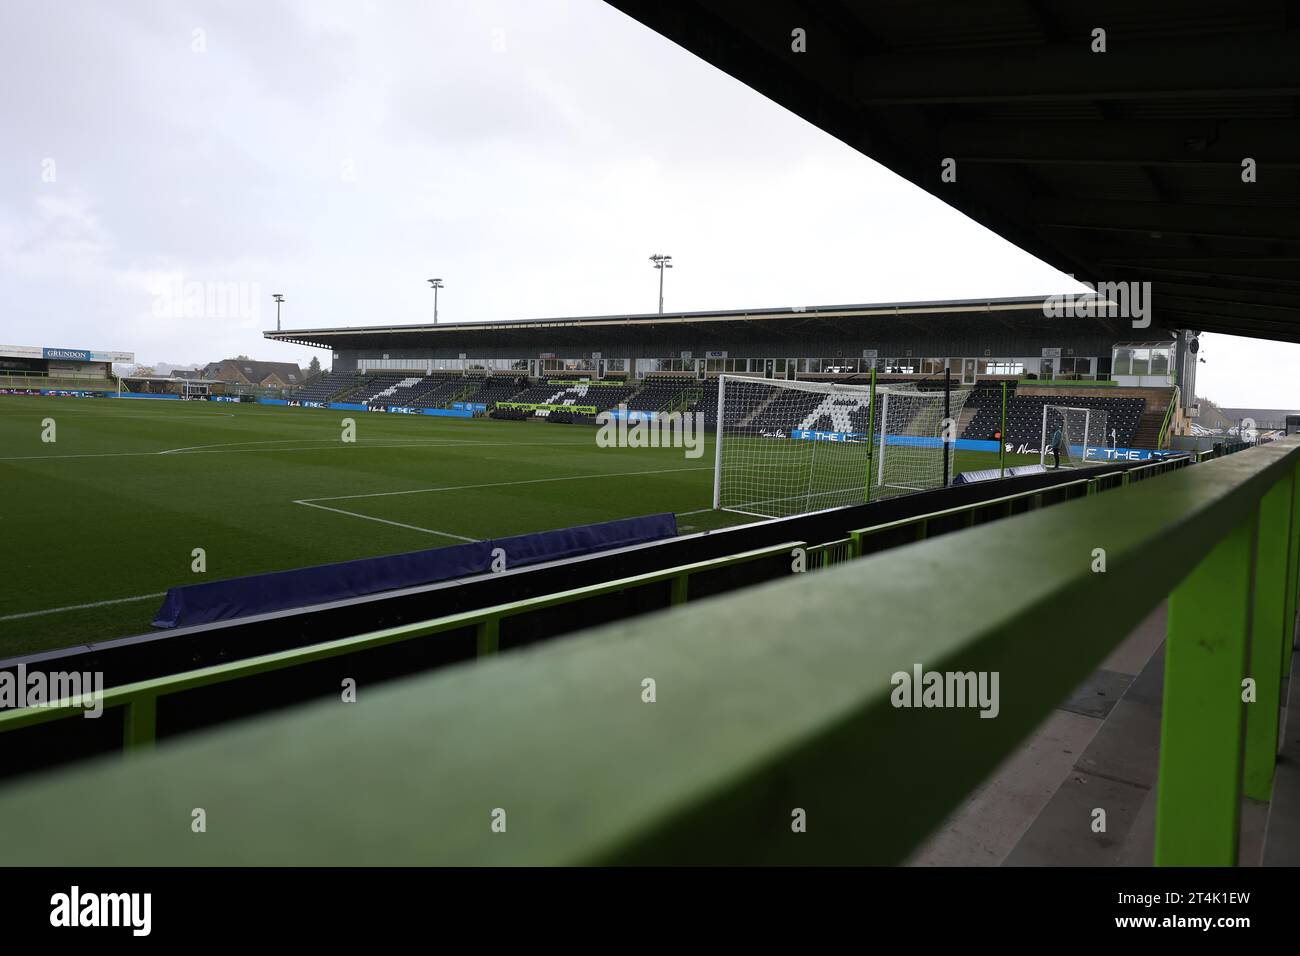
x=793 y=427
x=771 y=558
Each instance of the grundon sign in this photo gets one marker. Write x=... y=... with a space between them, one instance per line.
x=72 y=355
x=67 y=355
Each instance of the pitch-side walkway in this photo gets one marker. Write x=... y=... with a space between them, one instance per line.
x=1099 y=749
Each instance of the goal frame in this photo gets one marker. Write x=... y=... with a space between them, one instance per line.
x=719 y=430
x=1087 y=430
x=876 y=476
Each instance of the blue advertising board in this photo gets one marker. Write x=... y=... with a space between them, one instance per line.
x=922 y=441
x=72 y=355
x=1103 y=454
x=632 y=415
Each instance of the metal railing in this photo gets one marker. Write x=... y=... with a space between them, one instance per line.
x=1162 y=436
x=832 y=553
x=79 y=380
x=139 y=701
x=1008 y=505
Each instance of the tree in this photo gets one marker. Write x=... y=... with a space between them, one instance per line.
x=314 y=367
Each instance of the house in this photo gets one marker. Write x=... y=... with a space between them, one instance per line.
x=240 y=371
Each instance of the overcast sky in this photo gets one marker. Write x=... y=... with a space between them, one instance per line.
x=532 y=153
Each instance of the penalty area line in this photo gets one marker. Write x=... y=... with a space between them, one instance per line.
x=504 y=484
x=395 y=524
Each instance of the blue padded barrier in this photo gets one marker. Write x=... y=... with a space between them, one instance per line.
x=259 y=593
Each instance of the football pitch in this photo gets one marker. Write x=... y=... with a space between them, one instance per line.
x=101 y=520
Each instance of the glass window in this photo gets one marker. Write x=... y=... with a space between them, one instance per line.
x=1123 y=363
x=1160 y=361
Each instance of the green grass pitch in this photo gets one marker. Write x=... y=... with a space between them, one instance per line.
x=109 y=513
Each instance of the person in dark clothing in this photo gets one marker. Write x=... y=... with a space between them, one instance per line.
x=1054 y=443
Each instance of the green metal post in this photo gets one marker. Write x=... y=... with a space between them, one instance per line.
x=139 y=723
x=680 y=587
x=1002 y=431
x=1292 y=574
x=488 y=636
x=1198 y=803
x=1272 y=551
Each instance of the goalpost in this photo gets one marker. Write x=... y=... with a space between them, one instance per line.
x=789 y=447
x=1081 y=428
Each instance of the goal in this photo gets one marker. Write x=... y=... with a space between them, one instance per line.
x=790 y=447
x=1081 y=429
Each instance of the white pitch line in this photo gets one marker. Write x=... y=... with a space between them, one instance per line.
x=411 y=443
x=82 y=607
x=396 y=524
x=230 y=444
x=503 y=484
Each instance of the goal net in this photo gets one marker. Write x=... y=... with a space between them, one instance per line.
x=1080 y=429
x=789 y=447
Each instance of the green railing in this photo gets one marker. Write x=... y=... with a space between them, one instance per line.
x=462 y=394
x=71 y=380
x=968 y=515
x=702 y=733
x=683 y=399
x=832 y=553
x=1162 y=437
x=139 y=701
